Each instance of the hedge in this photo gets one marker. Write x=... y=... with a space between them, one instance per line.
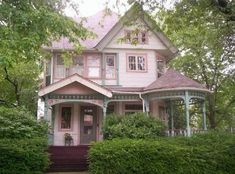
x=203 y=154
x=23 y=142
x=134 y=126
x=26 y=156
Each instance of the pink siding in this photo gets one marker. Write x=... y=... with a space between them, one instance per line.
x=75 y=88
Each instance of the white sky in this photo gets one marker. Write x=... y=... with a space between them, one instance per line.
x=90 y=7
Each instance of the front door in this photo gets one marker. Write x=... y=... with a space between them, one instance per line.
x=88 y=124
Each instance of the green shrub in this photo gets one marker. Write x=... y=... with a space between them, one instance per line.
x=23 y=156
x=165 y=155
x=19 y=123
x=23 y=142
x=135 y=126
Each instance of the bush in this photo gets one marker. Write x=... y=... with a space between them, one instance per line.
x=165 y=155
x=135 y=126
x=19 y=123
x=27 y=156
x=23 y=142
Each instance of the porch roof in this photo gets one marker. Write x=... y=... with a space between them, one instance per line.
x=174 y=80
x=170 y=81
x=75 y=78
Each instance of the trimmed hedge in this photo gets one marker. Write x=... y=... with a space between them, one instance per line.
x=203 y=154
x=134 y=126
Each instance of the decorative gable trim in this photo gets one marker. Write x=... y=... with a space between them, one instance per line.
x=75 y=78
x=130 y=14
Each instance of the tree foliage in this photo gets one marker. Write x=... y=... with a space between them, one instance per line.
x=206 y=41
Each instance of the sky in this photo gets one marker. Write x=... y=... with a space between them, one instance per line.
x=90 y=7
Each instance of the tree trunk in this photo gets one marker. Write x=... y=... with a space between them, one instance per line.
x=211 y=111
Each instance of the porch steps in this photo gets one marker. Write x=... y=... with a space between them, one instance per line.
x=68 y=158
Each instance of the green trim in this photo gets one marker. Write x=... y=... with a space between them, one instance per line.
x=117 y=69
x=204 y=115
x=186 y=100
x=103 y=69
x=76 y=96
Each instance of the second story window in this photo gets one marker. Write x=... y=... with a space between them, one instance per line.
x=93 y=66
x=136 y=63
x=160 y=68
x=78 y=65
x=110 y=67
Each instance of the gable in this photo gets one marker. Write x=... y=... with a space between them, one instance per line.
x=75 y=88
x=62 y=84
x=136 y=13
x=153 y=41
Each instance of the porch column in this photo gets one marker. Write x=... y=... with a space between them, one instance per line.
x=172 y=117
x=146 y=106
x=204 y=115
x=186 y=103
x=48 y=118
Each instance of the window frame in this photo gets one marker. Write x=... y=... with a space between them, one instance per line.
x=114 y=67
x=136 y=55
x=129 y=37
x=60 y=118
x=87 y=67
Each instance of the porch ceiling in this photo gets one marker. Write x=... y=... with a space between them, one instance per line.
x=75 y=78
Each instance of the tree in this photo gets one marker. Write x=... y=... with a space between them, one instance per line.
x=206 y=41
x=19 y=84
x=25 y=27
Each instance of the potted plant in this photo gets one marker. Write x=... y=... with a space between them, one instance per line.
x=68 y=139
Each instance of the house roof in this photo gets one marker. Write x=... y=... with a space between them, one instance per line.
x=75 y=78
x=106 y=25
x=174 y=80
x=99 y=23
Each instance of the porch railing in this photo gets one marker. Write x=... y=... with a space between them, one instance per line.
x=183 y=132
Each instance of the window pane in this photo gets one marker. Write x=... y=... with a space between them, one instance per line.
x=132 y=63
x=60 y=60
x=78 y=61
x=66 y=118
x=110 y=66
x=143 y=37
x=110 y=61
x=93 y=71
x=93 y=61
x=141 y=63
x=88 y=124
x=128 y=36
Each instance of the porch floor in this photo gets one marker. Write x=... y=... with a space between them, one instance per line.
x=68 y=158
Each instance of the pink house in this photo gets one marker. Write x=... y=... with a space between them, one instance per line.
x=115 y=76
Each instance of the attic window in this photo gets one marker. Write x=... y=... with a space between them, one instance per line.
x=136 y=37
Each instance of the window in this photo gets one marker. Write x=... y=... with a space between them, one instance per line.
x=66 y=117
x=93 y=66
x=78 y=65
x=136 y=63
x=110 y=67
x=59 y=68
x=160 y=68
x=136 y=37
x=133 y=108
x=143 y=37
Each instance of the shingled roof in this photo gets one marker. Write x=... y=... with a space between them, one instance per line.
x=173 y=80
x=99 y=23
